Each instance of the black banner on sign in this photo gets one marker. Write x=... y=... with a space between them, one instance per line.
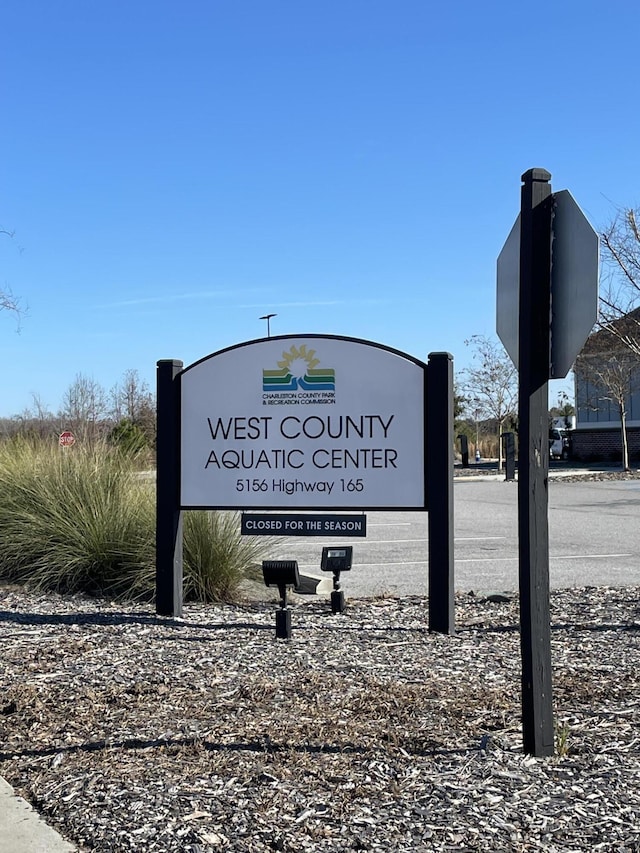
x=262 y=524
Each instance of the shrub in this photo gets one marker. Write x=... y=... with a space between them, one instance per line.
x=79 y=519
x=216 y=557
x=128 y=437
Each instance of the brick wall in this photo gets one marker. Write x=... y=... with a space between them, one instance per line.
x=604 y=444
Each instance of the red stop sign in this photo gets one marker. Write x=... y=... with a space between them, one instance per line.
x=67 y=439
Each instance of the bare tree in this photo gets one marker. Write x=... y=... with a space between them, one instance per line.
x=132 y=401
x=8 y=301
x=84 y=405
x=607 y=368
x=37 y=420
x=620 y=286
x=130 y=397
x=609 y=375
x=490 y=385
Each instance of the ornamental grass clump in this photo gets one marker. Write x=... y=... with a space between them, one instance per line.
x=216 y=557
x=83 y=520
x=74 y=519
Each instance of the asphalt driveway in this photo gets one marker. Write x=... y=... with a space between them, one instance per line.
x=594 y=539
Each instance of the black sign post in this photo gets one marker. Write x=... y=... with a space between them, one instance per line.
x=439 y=422
x=547 y=289
x=533 y=469
x=168 y=514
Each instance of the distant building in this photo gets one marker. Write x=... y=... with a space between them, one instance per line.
x=606 y=371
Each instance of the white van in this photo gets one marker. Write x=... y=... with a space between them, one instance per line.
x=559 y=444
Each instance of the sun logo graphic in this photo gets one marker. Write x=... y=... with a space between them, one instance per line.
x=299 y=371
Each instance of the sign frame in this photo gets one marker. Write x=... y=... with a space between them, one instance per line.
x=436 y=416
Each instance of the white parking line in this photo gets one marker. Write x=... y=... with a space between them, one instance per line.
x=391 y=541
x=421 y=539
x=551 y=557
x=587 y=556
x=386 y=563
x=478 y=538
x=483 y=560
x=376 y=542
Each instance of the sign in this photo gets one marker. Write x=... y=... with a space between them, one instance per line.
x=67 y=439
x=306 y=422
x=574 y=285
x=279 y=524
x=575 y=269
x=508 y=292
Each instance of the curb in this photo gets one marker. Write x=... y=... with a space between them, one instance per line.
x=22 y=830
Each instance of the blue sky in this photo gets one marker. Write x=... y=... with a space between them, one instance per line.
x=174 y=171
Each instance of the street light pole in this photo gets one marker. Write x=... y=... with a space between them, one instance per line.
x=268 y=317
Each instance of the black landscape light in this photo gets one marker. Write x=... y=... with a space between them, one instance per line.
x=283 y=574
x=337 y=559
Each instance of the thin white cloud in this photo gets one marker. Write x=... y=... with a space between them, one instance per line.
x=173 y=297
x=271 y=304
x=215 y=294
x=318 y=303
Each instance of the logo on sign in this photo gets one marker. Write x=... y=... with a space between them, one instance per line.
x=298 y=380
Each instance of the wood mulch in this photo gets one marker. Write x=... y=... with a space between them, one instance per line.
x=130 y=732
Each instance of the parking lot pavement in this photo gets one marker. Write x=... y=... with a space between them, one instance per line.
x=594 y=540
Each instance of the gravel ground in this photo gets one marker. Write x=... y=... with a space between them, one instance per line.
x=130 y=732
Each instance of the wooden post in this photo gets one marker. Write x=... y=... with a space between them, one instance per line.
x=509 y=455
x=533 y=467
x=168 y=515
x=464 y=450
x=440 y=491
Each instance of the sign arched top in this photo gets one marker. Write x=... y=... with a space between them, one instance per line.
x=305 y=422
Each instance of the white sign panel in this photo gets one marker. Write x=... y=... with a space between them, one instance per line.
x=310 y=422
